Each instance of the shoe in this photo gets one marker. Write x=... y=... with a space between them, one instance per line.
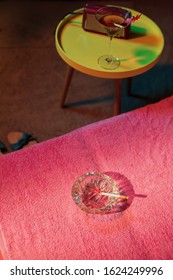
x=3 y=149
x=19 y=140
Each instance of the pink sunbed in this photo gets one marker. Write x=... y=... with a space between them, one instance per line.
x=39 y=219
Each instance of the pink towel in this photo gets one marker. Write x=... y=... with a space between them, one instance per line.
x=39 y=219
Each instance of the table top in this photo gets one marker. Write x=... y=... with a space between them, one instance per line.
x=81 y=49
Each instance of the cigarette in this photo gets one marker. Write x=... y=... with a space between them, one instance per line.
x=115 y=195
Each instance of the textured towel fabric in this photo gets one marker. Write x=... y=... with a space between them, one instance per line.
x=38 y=218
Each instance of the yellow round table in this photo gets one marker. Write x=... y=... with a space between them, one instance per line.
x=81 y=49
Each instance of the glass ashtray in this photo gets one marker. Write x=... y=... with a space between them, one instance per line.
x=95 y=193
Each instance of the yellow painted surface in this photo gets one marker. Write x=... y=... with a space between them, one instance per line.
x=81 y=49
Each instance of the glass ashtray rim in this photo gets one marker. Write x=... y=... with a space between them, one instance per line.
x=82 y=206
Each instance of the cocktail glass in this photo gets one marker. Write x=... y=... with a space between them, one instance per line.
x=113 y=19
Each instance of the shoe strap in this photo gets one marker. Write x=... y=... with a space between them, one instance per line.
x=26 y=138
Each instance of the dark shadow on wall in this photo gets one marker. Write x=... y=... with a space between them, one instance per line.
x=150 y=87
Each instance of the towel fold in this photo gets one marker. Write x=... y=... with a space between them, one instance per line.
x=39 y=219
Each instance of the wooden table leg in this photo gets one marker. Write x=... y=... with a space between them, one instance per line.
x=66 y=85
x=117 y=96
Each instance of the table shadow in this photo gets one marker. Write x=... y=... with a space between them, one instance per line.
x=136 y=32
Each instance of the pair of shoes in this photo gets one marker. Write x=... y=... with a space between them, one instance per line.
x=18 y=140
